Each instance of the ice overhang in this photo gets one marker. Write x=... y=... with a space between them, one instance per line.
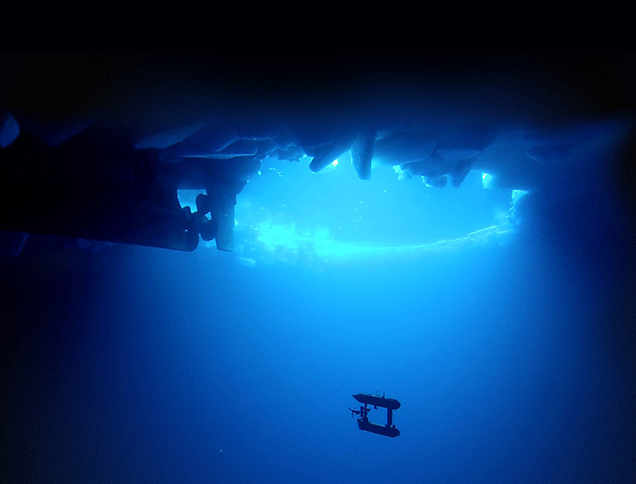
x=439 y=199
x=355 y=159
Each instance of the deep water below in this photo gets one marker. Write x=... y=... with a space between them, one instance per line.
x=512 y=364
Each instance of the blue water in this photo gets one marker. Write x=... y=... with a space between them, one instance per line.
x=513 y=362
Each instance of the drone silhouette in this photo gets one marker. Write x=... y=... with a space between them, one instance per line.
x=375 y=401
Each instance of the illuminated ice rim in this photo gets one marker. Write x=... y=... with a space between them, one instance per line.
x=285 y=243
x=271 y=243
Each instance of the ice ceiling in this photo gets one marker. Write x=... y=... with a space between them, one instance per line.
x=387 y=157
x=288 y=213
x=279 y=217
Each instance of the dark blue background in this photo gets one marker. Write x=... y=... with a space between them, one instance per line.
x=512 y=363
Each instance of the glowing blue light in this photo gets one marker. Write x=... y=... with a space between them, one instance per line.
x=269 y=243
x=315 y=221
x=486 y=180
x=517 y=194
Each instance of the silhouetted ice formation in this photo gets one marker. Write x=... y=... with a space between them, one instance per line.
x=101 y=151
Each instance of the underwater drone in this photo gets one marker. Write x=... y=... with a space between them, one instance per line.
x=366 y=400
